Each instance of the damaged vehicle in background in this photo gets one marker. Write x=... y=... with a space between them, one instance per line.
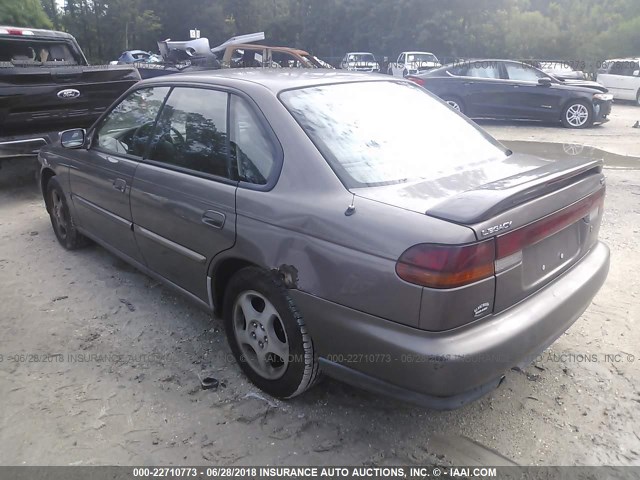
x=424 y=276
x=560 y=70
x=510 y=90
x=137 y=56
x=360 y=62
x=47 y=85
x=237 y=52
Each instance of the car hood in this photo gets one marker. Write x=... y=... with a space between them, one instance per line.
x=584 y=83
x=421 y=195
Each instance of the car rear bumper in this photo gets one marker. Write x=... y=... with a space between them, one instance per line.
x=448 y=369
x=24 y=145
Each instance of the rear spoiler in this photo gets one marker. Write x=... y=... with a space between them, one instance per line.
x=485 y=202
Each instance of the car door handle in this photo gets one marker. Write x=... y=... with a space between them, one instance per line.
x=120 y=185
x=469 y=83
x=213 y=219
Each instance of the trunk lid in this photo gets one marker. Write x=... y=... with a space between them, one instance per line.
x=544 y=215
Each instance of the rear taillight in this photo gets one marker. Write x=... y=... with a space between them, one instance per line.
x=417 y=80
x=513 y=242
x=450 y=266
x=447 y=266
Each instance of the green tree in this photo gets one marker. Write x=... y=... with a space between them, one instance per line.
x=23 y=13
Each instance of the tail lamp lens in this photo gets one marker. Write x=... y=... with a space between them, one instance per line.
x=447 y=266
x=417 y=80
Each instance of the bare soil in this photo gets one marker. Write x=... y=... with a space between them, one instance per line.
x=102 y=365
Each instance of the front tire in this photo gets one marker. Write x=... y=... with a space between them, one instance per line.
x=61 y=220
x=267 y=334
x=577 y=114
x=638 y=98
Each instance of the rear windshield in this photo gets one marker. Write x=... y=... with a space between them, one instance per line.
x=380 y=133
x=36 y=52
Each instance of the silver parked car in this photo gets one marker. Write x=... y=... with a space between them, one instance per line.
x=414 y=256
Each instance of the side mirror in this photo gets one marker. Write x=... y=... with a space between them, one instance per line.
x=544 y=82
x=636 y=73
x=73 y=138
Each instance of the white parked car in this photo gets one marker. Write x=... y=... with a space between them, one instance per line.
x=360 y=62
x=622 y=78
x=410 y=63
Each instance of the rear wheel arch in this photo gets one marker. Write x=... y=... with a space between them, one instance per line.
x=220 y=274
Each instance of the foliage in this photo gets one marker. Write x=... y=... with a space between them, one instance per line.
x=587 y=30
x=23 y=13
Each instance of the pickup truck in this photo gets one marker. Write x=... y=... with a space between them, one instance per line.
x=411 y=63
x=46 y=86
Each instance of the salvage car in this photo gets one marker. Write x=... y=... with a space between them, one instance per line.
x=622 y=78
x=292 y=205
x=360 y=62
x=560 y=70
x=138 y=56
x=506 y=89
x=46 y=85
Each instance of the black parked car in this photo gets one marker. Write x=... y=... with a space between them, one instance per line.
x=504 y=89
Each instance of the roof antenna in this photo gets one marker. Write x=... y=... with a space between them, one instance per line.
x=351 y=209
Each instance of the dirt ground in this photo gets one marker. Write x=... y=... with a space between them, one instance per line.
x=99 y=364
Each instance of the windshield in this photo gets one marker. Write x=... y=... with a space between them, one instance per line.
x=355 y=127
x=421 y=57
x=361 y=57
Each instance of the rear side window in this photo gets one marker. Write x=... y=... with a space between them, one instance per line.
x=252 y=150
x=36 y=52
x=128 y=127
x=486 y=70
x=355 y=127
x=192 y=132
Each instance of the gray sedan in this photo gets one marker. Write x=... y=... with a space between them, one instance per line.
x=413 y=256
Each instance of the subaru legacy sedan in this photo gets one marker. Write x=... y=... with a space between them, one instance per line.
x=297 y=207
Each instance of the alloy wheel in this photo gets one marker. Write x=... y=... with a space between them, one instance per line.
x=577 y=115
x=260 y=334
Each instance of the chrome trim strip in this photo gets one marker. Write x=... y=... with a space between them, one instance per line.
x=106 y=213
x=176 y=247
x=30 y=140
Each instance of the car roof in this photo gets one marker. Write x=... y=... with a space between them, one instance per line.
x=628 y=59
x=37 y=32
x=273 y=79
x=416 y=51
x=359 y=53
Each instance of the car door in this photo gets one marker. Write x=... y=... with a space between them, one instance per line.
x=526 y=99
x=481 y=89
x=619 y=80
x=630 y=80
x=100 y=180
x=183 y=193
x=398 y=68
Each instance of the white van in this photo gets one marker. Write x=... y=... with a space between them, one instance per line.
x=622 y=78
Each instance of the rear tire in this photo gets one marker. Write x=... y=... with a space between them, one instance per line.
x=267 y=334
x=63 y=225
x=455 y=103
x=638 y=98
x=577 y=114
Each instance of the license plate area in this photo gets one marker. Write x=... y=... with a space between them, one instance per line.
x=547 y=258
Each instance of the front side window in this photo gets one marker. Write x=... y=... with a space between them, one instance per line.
x=251 y=148
x=127 y=128
x=191 y=132
x=354 y=127
x=523 y=73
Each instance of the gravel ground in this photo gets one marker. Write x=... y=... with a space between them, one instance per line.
x=99 y=364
